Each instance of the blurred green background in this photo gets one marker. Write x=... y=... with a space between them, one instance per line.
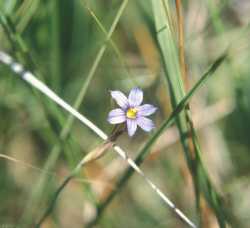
x=59 y=40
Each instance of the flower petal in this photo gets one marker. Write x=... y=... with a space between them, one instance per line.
x=145 y=123
x=116 y=116
x=131 y=126
x=146 y=110
x=135 y=97
x=120 y=99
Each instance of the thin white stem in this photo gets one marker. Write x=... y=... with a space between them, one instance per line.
x=33 y=81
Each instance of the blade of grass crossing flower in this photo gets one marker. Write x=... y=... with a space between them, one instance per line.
x=146 y=148
x=33 y=81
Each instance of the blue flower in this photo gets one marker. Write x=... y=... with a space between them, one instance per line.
x=131 y=111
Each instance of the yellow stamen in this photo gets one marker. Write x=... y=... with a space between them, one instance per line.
x=131 y=113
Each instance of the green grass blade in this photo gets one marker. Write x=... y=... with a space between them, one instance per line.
x=169 y=52
x=110 y=40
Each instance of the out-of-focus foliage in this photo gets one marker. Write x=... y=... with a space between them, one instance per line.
x=59 y=40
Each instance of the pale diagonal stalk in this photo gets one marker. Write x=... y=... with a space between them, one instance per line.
x=146 y=148
x=23 y=163
x=39 y=188
x=34 y=82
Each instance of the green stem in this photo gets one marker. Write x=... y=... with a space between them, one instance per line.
x=54 y=199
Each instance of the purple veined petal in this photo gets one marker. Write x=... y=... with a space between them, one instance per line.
x=135 y=97
x=131 y=126
x=146 y=110
x=145 y=123
x=120 y=99
x=116 y=116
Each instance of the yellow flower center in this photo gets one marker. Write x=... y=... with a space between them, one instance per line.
x=131 y=113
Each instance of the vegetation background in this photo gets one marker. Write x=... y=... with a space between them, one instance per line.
x=86 y=48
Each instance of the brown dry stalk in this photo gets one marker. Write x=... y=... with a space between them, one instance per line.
x=181 y=43
x=191 y=145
